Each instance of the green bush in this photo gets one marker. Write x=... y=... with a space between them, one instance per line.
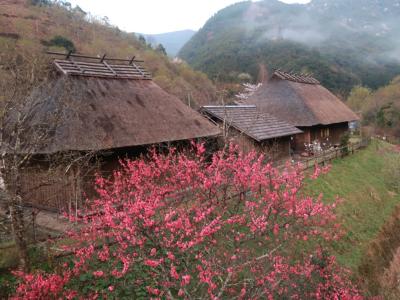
x=60 y=41
x=344 y=143
x=41 y=2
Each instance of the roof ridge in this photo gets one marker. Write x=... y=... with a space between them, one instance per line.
x=291 y=76
x=230 y=106
x=105 y=67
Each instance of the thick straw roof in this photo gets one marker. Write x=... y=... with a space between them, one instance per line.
x=93 y=113
x=300 y=102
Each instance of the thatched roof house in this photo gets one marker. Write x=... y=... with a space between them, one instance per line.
x=101 y=112
x=93 y=106
x=305 y=103
x=252 y=129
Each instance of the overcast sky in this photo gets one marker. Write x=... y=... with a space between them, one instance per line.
x=157 y=16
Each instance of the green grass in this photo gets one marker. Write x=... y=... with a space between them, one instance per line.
x=359 y=180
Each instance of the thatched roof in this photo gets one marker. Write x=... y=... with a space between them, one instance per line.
x=250 y=121
x=300 y=100
x=102 y=113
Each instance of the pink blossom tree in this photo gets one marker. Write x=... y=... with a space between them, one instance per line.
x=178 y=225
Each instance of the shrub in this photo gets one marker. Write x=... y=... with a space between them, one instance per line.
x=161 y=49
x=60 y=41
x=344 y=143
x=179 y=226
x=41 y=2
x=244 y=77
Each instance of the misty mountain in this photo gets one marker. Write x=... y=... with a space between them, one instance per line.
x=172 y=41
x=341 y=42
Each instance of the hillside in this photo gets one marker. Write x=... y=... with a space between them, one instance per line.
x=172 y=41
x=342 y=43
x=366 y=181
x=28 y=28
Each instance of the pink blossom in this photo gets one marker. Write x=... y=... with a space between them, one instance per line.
x=152 y=263
x=276 y=229
x=185 y=280
x=153 y=291
x=173 y=272
x=98 y=273
x=171 y=256
x=195 y=221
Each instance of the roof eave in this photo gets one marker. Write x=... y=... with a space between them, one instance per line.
x=241 y=130
x=284 y=135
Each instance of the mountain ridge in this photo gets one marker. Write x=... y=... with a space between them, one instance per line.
x=339 y=49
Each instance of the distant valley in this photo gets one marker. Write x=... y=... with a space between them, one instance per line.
x=172 y=41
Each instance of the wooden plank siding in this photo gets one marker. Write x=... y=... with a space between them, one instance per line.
x=334 y=135
x=56 y=190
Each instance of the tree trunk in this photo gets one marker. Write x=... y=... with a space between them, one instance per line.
x=17 y=217
x=19 y=232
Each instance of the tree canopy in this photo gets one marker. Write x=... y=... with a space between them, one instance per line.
x=181 y=225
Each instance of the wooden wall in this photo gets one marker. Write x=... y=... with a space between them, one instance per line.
x=54 y=190
x=275 y=149
x=329 y=135
x=301 y=139
x=60 y=189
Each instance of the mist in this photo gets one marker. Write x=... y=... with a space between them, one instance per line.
x=373 y=28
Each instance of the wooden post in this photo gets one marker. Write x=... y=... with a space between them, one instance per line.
x=68 y=55
x=33 y=227
x=103 y=57
x=72 y=181
x=78 y=189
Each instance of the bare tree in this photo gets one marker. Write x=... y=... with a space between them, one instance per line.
x=19 y=75
x=27 y=132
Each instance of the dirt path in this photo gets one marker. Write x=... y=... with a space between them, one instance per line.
x=390 y=281
x=47 y=220
x=381 y=265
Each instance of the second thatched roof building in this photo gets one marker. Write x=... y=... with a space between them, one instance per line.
x=303 y=102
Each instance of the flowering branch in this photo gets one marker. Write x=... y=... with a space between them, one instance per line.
x=180 y=226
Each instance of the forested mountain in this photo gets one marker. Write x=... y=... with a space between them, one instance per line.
x=341 y=42
x=172 y=41
x=34 y=26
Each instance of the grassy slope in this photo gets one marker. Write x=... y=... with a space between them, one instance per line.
x=24 y=27
x=360 y=180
